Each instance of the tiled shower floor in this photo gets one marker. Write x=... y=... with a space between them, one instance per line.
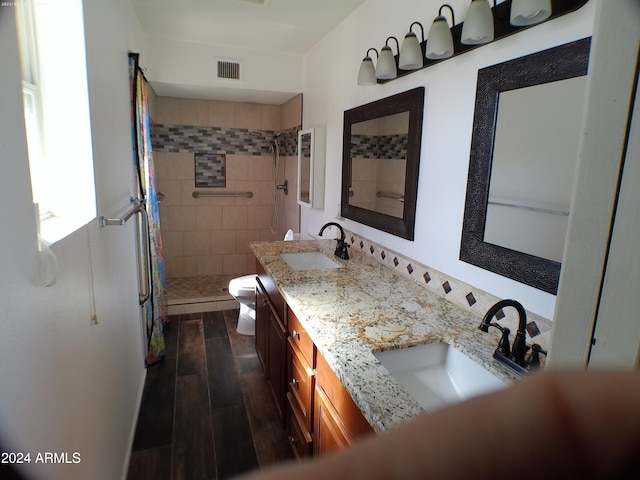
x=204 y=293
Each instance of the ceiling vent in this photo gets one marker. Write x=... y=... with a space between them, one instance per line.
x=227 y=69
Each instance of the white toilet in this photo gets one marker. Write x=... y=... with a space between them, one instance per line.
x=243 y=290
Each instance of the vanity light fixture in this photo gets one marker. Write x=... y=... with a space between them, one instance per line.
x=367 y=72
x=440 y=40
x=386 y=68
x=529 y=12
x=411 y=57
x=477 y=28
x=485 y=22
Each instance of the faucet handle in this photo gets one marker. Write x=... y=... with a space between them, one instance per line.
x=503 y=345
x=341 y=249
x=534 y=359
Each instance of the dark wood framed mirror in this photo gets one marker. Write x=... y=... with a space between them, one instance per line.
x=381 y=161
x=546 y=68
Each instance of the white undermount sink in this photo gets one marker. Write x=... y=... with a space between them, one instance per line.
x=309 y=261
x=437 y=374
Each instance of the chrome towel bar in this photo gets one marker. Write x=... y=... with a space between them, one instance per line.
x=144 y=249
x=138 y=205
x=564 y=213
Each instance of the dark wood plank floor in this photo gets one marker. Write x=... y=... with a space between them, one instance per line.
x=206 y=411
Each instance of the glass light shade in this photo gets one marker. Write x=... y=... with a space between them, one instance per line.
x=410 y=53
x=367 y=72
x=477 y=28
x=386 y=68
x=440 y=41
x=529 y=12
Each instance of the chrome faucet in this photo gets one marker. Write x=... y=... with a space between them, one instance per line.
x=341 y=247
x=513 y=356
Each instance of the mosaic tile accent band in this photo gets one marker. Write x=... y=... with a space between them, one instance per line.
x=379 y=146
x=210 y=170
x=216 y=140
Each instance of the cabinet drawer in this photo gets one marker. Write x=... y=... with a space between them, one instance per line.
x=301 y=383
x=299 y=437
x=301 y=338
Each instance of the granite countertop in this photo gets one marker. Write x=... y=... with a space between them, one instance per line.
x=365 y=307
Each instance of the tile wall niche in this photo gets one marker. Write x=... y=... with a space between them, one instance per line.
x=378 y=169
x=211 y=235
x=464 y=295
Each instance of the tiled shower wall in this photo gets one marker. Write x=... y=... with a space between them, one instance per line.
x=211 y=235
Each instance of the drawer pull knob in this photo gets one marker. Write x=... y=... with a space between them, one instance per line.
x=292 y=439
x=295 y=334
x=294 y=382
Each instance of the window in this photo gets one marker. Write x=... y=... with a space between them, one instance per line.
x=56 y=110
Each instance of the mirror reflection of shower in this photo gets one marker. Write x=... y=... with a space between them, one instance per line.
x=275 y=149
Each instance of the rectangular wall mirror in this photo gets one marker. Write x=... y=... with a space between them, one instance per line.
x=311 y=161
x=380 y=162
x=524 y=150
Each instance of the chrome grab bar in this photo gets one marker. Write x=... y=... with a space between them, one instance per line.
x=392 y=196
x=142 y=243
x=222 y=194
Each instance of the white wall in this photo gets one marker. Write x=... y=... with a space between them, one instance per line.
x=182 y=69
x=330 y=72
x=69 y=385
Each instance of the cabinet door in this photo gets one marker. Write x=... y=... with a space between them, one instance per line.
x=262 y=325
x=329 y=432
x=311 y=160
x=276 y=363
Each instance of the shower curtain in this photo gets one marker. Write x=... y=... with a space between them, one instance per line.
x=155 y=311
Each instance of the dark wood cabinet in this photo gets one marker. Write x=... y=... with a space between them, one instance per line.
x=262 y=325
x=271 y=338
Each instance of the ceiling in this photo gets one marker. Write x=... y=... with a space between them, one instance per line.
x=290 y=27
x=285 y=26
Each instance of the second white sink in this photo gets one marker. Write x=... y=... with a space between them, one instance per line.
x=438 y=374
x=309 y=261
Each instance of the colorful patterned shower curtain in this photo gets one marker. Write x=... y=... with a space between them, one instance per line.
x=143 y=165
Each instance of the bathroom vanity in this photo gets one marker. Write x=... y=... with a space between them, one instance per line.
x=317 y=330
x=317 y=411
